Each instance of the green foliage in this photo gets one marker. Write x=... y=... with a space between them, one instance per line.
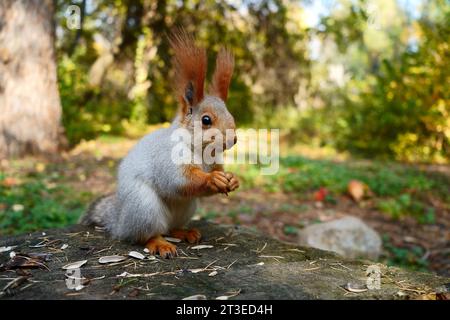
x=116 y=70
x=405 y=205
x=410 y=258
x=306 y=175
x=290 y=230
x=36 y=205
x=86 y=112
x=377 y=87
x=399 y=108
x=399 y=190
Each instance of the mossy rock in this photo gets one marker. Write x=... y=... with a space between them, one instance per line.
x=248 y=266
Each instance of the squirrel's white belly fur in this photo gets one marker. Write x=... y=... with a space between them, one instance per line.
x=146 y=202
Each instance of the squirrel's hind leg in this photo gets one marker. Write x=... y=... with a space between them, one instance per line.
x=164 y=248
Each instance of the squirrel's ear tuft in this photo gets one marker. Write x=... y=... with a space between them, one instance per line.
x=190 y=68
x=222 y=74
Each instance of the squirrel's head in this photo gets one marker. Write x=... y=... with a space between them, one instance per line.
x=207 y=111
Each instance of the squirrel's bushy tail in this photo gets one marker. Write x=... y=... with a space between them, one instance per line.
x=99 y=211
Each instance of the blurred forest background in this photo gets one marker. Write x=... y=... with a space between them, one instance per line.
x=344 y=80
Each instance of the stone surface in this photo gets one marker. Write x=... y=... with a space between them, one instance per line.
x=248 y=266
x=349 y=236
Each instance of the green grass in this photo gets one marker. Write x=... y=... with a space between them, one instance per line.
x=44 y=200
x=38 y=203
x=410 y=258
x=398 y=190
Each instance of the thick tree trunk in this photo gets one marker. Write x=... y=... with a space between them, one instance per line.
x=30 y=108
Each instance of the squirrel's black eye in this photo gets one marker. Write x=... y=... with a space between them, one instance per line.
x=206 y=120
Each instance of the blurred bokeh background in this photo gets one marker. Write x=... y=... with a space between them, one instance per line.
x=358 y=88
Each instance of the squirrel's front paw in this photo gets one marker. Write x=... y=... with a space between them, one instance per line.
x=218 y=182
x=164 y=248
x=233 y=182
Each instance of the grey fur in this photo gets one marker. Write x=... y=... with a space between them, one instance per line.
x=147 y=201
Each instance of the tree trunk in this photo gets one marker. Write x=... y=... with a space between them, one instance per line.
x=30 y=107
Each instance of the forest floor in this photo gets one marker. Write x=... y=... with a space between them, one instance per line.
x=408 y=205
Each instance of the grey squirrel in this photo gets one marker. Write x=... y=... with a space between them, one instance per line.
x=156 y=196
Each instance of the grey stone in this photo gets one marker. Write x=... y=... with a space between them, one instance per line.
x=348 y=236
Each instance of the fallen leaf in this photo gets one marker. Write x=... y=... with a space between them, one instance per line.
x=321 y=194
x=42 y=256
x=10 y=182
x=443 y=296
x=357 y=190
x=134 y=293
x=24 y=261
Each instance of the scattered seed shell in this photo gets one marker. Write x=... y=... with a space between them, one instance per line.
x=111 y=259
x=146 y=250
x=212 y=274
x=354 y=287
x=174 y=240
x=256 y=264
x=196 y=297
x=231 y=295
x=64 y=246
x=74 y=265
x=136 y=255
x=202 y=246
x=6 y=249
x=401 y=294
x=196 y=270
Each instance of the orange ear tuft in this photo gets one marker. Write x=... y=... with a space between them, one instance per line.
x=222 y=75
x=190 y=67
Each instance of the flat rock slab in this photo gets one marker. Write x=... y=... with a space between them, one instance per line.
x=241 y=264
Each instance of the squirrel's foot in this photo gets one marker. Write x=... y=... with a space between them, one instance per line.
x=191 y=236
x=164 y=248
